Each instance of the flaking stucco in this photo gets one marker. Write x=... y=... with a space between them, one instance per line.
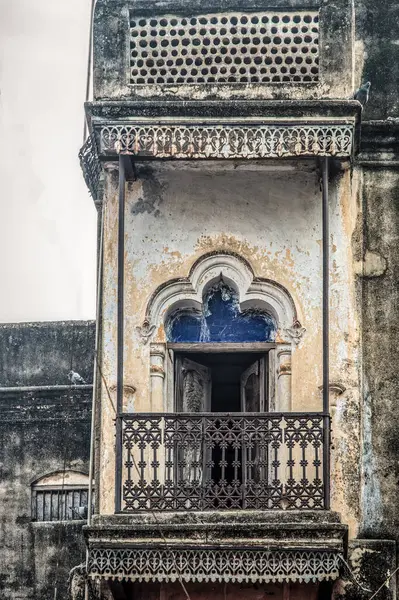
x=272 y=219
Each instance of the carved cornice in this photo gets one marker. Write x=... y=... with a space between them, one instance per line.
x=380 y=144
x=227 y=141
x=213 y=564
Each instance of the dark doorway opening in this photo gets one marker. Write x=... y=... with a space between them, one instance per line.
x=221 y=382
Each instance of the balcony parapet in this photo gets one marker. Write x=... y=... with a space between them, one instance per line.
x=250 y=546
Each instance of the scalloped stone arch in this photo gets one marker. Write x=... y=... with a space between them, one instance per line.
x=237 y=272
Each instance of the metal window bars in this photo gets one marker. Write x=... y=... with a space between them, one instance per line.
x=59 y=504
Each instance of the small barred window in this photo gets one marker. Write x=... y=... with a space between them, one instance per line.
x=278 y=47
x=60 y=496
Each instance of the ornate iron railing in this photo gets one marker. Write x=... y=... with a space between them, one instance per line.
x=215 y=461
x=90 y=165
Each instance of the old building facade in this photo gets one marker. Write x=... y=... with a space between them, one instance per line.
x=244 y=425
x=236 y=451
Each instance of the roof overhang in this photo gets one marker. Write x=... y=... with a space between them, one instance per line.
x=218 y=131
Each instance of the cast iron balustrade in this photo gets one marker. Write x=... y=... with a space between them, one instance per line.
x=218 y=461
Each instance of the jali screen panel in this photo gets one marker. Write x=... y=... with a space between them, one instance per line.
x=277 y=47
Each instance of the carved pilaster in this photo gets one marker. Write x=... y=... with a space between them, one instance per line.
x=157 y=374
x=284 y=382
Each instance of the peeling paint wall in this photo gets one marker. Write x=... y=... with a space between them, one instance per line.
x=380 y=297
x=270 y=215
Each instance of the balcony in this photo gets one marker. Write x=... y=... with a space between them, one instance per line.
x=223 y=461
x=215 y=491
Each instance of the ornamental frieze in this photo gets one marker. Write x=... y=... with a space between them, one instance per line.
x=213 y=564
x=227 y=141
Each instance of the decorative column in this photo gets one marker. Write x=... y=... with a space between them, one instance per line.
x=157 y=374
x=284 y=381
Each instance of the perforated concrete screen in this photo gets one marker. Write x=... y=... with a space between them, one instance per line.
x=277 y=47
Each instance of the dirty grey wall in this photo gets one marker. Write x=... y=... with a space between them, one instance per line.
x=44 y=353
x=381 y=357
x=40 y=432
x=377 y=26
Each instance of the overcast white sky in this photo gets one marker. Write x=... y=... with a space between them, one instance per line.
x=47 y=218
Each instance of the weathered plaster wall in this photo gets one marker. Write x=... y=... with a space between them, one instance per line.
x=44 y=353
x=270 y=214
x=380 y=508
x=40 y=432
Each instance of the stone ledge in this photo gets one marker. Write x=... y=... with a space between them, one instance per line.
x=293 y=530
x=379 y=144
x=261 y=110
x=219 y=517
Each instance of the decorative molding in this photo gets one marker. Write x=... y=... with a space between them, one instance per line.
x=128 y=389
x=211 y=141
x=146 y=331
x=285 y=369
x=253 y=292
x=158 y=350
x=335 y=387
x=296 y=332
x=213 y=564
x=215 y=141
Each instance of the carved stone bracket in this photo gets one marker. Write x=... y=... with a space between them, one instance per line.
x=146 y=331
x=213 y=564
x=296 y=332
x=226 y=141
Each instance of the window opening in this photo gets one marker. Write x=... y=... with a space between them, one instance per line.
x=60 y=497
x=221 y=382
x=221 y=320
x=60 y=505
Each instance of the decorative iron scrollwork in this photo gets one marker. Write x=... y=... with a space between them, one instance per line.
x=218 y=461
x=90 y=166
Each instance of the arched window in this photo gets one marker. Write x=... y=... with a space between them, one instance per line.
x=60 y=496
x=221 y=320
x=227 y=332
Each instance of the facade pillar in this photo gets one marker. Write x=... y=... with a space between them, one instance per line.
x=157 y=373
x=284 y=383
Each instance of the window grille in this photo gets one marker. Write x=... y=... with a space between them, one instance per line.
x=278 y=47
x=62 y=504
